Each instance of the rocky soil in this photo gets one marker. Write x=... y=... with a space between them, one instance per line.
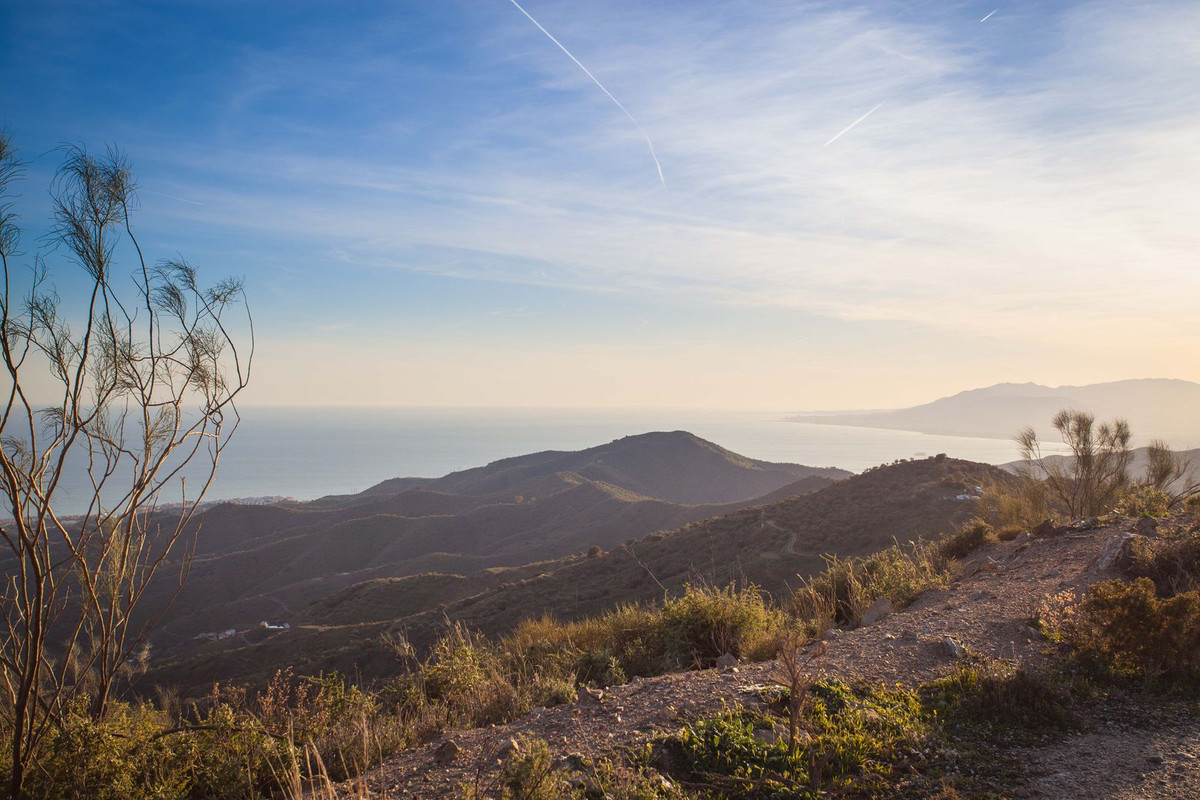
x=986 y=612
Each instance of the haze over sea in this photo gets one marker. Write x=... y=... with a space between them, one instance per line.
x=307 y=453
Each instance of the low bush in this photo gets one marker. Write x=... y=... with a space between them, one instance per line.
x=852 y=735
x=706 y=623
x=1020 y=503
x=848 y=587
x=999 y=698
x=967 y=539
x=1172 y=562
x=1143 y=500
x=114 y=759
x=1125 y=630
x=691 y=630
x=1007 y=533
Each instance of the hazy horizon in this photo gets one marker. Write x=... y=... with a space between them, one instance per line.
x=737 y=205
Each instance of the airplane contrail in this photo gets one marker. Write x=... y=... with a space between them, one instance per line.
x=989 y=16
x=850 y=127
x=170 y=197
x=596 y=81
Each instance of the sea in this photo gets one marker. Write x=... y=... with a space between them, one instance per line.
x=312 y=452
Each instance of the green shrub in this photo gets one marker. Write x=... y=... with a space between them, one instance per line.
x=851 y=734
x=706 y=623
x=1142 y=500
x=528 y=772
x=1125 y=630
x=465 y=681
x=692 y=629
x=114 y=759
x=967 y=539
x=999 y=697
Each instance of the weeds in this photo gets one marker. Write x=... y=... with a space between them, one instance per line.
x=848 y=587
x=1000 y=699
x=968 y=538
x=852 y=735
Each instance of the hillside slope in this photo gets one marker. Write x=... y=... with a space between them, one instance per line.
x=1121 y=749
x=769 y=545
x=267 y=563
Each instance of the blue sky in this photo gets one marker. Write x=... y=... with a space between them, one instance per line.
x=433 y=205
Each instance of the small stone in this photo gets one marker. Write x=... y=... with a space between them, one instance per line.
x=1116 y=552
x=954 y=648
x=446 y=752
x=880 y=609
x=1045 y=528
x=590 y=696
x=767 y=736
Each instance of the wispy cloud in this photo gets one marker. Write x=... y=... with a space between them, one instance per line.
x=985 y=199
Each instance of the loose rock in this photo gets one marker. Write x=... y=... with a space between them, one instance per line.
x=446 y=753
x=954 y=648
x=880 y=609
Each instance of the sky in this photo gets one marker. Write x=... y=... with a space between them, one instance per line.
x=860 y=204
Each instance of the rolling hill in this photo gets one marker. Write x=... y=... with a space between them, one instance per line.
x=769 y=544
x=677 y=467
x=260 y=563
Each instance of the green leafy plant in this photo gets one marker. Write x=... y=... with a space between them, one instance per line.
x=1125 y=630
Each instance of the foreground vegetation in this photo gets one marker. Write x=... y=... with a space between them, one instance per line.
x=302 y=729
x=858 y=740
x=301 y=733
x=1135 y=643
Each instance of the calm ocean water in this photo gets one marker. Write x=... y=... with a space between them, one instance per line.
x=307 y=453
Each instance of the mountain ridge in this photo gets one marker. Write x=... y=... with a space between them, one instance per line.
x=257 y=563
x=1155 y=407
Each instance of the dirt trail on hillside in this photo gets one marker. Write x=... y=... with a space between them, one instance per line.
x=790 y=547
x=987 y=611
